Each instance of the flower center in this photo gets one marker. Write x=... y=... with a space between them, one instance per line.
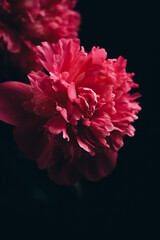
x=86 y=101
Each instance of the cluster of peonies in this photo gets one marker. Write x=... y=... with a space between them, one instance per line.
x=72 y=117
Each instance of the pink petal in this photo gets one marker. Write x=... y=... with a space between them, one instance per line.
x=57 y=58
x=57 y=125
x=34 y=144
x=72 y=92
x=10 y=39
x=85 y=145
x=98 y=55
x=12 y=97
x=99 y=166
x=49 y=59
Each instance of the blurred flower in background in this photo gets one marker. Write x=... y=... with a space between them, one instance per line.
x=24 y=24
x=72 y=118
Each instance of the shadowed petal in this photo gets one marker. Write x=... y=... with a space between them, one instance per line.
x=63 y=173
x=12 y=97
x=99 y=166
x=34 y=144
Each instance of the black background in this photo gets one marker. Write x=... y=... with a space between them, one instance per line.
x=125 y=204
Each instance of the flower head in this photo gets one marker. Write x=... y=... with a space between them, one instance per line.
x=24 y=24
x=72 y=119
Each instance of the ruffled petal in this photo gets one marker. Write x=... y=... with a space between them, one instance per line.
x=12 y=97
x=58 y=57
x=57 y=125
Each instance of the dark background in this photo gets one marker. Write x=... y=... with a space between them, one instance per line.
x=125 y=204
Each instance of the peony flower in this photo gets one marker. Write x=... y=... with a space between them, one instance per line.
x=72 y=118
x=24 y=24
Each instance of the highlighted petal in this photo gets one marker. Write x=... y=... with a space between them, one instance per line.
x=57 y=125
x=84 y=145
x=72 y=92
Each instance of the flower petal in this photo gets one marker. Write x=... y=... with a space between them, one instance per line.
x=72 y=92
x=57 y=125
x=12 y=97
x=99 y=166
x=34 y=144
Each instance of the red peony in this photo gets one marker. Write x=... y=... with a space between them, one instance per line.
x=24 y=24
x=73 y=119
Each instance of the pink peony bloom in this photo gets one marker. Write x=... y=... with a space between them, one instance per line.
x=24 y=24
x=72 y=120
